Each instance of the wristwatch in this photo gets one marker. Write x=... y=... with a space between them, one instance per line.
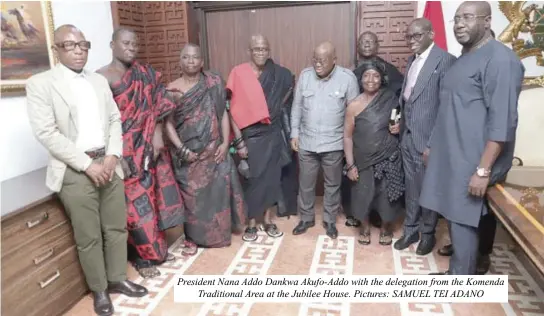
x=482 y=172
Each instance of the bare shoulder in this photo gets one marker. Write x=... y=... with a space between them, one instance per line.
x=111 y=75
x=354 y=105
x=104 y=71
x=174 y=85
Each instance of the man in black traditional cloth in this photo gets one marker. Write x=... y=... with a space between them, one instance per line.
x=261 y=89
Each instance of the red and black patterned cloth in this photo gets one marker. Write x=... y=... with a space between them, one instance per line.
x=212 y=193
x=154 y=202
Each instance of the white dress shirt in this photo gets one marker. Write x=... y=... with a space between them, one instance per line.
x=414 y=71
x=89 y=123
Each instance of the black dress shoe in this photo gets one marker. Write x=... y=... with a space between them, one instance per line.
x=405 y=242
x=102 y=304
x=447 y=272
x=484 y=262
x=425 y=246
x=331 y=230
x=302 y=227
x=352 y=222
x=446 y=251
x=127 y=288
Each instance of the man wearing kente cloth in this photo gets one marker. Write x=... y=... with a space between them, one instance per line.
x=199 y=130
x=154 y=203
x=260 y=91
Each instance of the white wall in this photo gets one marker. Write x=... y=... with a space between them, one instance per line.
x=498 y=24
x=22 y=158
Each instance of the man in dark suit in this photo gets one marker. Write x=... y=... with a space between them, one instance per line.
x=419 y=102
x=367 y=49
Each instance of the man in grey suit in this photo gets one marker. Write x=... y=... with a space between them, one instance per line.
x=419 y=104
x=73 y=115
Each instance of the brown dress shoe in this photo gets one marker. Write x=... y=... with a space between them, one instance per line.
x=127 y=288
x=102 y=304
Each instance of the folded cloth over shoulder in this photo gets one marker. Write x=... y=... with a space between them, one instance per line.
x=248 y=102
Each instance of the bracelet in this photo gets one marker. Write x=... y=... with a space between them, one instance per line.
x=241 y=145
x=183 y=152
x=350 y=167
x=237 y=141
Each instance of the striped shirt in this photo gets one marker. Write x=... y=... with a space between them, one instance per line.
x=319 y=107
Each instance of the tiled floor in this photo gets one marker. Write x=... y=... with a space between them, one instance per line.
x=314 y=252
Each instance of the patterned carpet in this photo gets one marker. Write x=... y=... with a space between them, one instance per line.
x=315 y=253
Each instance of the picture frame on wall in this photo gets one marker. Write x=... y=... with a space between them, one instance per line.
x=26 y=41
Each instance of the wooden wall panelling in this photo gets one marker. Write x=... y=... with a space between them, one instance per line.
x=166 y=33
x=388 y=19
x=292 y=37
x=163 y=27
x=130 y=14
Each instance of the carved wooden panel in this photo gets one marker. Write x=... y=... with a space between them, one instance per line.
x=389 y=20
x=162 y=28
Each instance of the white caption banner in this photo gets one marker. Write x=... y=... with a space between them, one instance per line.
x=335 y=289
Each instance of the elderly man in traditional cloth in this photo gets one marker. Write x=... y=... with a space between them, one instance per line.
x=472 y=145
x=260 y=91
x=153 y=196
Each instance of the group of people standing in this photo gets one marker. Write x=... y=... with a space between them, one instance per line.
x=129 y=153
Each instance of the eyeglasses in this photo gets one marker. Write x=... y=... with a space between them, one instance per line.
x=370 y=42
x=71 y=45
x=466 y=18
x=415 y=36
x=260 y=50
x=323 y=61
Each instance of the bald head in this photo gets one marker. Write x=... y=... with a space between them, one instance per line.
x=326 y=48
x=472 y=23
x=259 y=50
x=367 y=45
x=423 y=24
x=419 y=35
x=477 y=7
x=121 y=31
x=191 y=61
x=190 y=47
x=324 y=59
x=258 y=40
x=71 y=47
x=368 y=34
x=63 y=31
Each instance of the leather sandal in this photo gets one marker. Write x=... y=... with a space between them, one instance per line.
x=364 y=238
x=189 y=248
x=250 y=234
x=386 y=238
x=272 y=230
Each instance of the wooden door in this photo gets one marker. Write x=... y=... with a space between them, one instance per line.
x=389 y=20
x=163 y=27
x=293 y=32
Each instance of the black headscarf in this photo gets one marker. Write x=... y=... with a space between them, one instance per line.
x=377 y=66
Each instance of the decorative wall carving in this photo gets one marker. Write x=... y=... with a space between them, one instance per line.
x=388 y=19
x=163 y=27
